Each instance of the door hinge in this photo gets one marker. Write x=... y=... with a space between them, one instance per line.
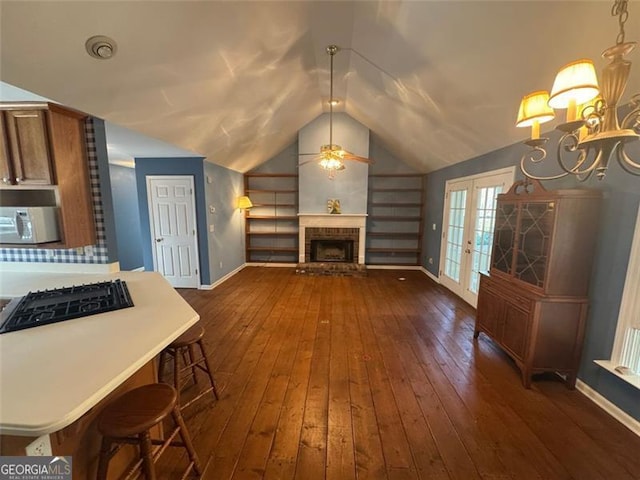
x=194 y=231
x=446 y=195
x=196 y=271
x=191 y=191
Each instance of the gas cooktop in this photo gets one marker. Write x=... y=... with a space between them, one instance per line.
x=57 y=305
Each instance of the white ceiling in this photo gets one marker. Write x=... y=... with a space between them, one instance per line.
x=235 y=81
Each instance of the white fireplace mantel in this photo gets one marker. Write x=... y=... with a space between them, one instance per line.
x=324 y=220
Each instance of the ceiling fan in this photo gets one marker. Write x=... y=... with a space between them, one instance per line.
x=331 y=157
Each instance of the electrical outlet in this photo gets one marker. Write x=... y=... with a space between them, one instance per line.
x=88 y=251
x=40 y=447
x=211 y=228
x=430 y=260
x=220 y=264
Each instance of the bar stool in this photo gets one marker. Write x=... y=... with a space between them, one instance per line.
x=182 y=349
x=128 y=420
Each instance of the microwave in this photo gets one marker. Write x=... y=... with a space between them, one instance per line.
x=29 y=224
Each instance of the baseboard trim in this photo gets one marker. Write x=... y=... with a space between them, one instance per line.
x=393 y=267
x=223 y=279
x=620 y=415
x=430 y=275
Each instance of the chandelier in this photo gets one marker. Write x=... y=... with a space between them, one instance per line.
x=591 y=136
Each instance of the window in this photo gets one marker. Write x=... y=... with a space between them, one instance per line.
x=626 y=346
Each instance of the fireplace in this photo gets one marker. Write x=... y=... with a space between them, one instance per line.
x=327 y=227
x=332 y=250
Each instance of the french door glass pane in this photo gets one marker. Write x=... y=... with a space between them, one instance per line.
x=455 y=233
x=483 y=233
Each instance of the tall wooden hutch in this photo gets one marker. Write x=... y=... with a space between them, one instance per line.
x=533 y=303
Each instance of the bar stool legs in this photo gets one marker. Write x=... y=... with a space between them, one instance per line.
x=129 y=419
x=182 y=351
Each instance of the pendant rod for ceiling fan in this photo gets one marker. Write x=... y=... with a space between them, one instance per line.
x=331 y=50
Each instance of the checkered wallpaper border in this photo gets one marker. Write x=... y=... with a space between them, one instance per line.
x=100 y=252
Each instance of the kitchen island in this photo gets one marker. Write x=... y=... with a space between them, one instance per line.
x=52 y=377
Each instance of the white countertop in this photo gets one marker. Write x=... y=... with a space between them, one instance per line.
x=52 y=374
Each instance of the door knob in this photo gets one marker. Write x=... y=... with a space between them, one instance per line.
x=158 y=240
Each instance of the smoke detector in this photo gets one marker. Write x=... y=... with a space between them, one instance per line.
x=101 y=47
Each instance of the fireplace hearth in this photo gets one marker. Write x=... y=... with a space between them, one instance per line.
x=332 y=250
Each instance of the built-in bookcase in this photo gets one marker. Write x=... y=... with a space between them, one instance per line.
x=271 y=226
x=394 y=222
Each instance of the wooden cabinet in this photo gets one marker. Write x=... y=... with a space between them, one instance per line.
x=43 y=146
x=24 y=152
x=533 y=303
x=271 y=226
x=394 y=221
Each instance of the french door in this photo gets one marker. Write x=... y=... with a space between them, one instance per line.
x=467 y=232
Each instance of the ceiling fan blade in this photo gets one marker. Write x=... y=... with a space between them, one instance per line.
x=357 y=158
x=308 y=161
x=301 y=154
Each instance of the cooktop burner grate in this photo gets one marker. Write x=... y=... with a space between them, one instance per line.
x=51 y=306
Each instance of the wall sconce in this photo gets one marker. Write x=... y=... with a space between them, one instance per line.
x=244 y=203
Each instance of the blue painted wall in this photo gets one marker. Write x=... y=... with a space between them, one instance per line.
x=127 y=217
x=173 y=166
x=226 y=242
x=621 y=193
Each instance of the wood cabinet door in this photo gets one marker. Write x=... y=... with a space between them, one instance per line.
x=29 y=147
x=490 y=311
x=515 y=329
x=6 y=174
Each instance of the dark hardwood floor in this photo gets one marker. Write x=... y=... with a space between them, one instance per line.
x=379 y=377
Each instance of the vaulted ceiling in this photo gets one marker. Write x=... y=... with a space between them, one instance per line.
x=436 y=82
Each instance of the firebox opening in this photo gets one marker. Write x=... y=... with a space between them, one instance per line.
x=332 y=250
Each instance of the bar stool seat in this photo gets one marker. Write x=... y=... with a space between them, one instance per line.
x=136 y=411
x=182 y=351
x=191 y=336
x=129 y=419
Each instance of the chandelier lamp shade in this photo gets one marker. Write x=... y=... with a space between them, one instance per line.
x=592 y=136
x=534 y=110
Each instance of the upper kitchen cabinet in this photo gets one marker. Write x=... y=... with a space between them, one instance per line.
x=25 y=148
x=42 y=145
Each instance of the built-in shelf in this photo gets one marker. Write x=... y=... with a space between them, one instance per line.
x=395 y=199
x=275 y=207
x=272 y=217
x=274 y=234
x=394 y=218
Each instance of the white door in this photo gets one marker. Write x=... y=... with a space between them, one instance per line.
x=467 y=234
x=172 y=214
